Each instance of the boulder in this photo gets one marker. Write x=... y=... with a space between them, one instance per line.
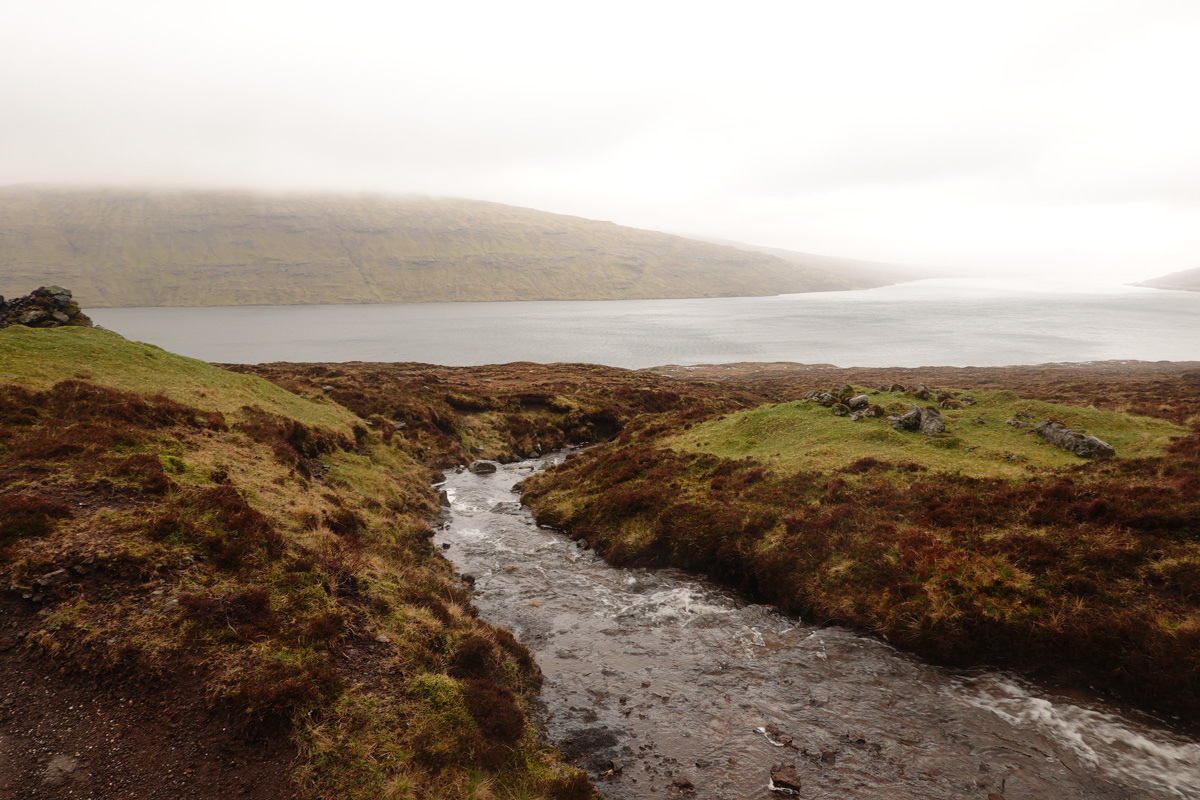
x=908 y=421
x=858 y=402
x=897 y=387
x=482 y=467
x=931 y=421
x=1078 y=442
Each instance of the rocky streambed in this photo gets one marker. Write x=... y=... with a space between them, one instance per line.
x=662 y=685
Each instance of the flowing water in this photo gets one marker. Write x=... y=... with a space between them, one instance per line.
x=662 y=685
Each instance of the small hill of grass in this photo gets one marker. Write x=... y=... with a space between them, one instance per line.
x=164 y=522
x=38 y=358
x=978 y=442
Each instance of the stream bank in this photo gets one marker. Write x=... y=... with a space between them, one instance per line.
x=663 y=685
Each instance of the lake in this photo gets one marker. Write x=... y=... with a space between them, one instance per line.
x=944 y=322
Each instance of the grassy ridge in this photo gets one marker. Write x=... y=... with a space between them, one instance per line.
x=1085 y=572
x=275 y=547
x=979 y=442
x=127 y=248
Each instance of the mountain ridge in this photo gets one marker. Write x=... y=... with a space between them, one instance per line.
x=139 y=247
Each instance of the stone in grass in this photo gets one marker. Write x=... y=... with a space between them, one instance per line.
x=931 y=422
x=859 y=402
x=908 y=421
x=841 y=410
x=1078 y=442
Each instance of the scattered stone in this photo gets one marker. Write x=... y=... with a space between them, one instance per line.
x=443 y=498
x=874 y=411
x=954 y=404
x=445 y=545
x=784 y=779
x=467 y=578
x=897 y=387
x=482 y=467
x=841 y=410
x=855 y=417
x=978 y=421
x=1016 y=423
x=858 y=402
x=846 y=391
x=921 y=394
x=1078 y=442
x=683 y=785
x=400 y=425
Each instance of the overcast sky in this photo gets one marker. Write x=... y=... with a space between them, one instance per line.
x=1054 y=136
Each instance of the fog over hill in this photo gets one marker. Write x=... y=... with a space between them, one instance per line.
x=1187 y=280
x=118 y=248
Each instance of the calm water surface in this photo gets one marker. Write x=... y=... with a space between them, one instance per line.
x=934 y=322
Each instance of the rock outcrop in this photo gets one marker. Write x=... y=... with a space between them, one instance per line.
x=45 y=307
x=1078 y=442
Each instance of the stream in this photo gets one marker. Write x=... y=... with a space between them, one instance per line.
x=661 y=685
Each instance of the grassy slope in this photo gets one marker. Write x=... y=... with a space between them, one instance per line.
x=1187 y=280
x=209 y=539
x=802 y=435
x=127 y=248
x=1087 y=572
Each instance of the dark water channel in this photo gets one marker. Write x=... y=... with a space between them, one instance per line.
x=662 y=685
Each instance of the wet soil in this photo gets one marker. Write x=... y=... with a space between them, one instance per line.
x=76 y=735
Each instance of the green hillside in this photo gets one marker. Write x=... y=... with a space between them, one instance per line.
x=1188 y=280
x=119 y=248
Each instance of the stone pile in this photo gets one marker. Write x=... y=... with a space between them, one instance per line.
x=845 y=403
x=45 y=307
